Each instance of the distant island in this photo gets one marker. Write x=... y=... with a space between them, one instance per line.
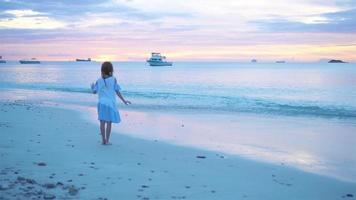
x=336 y=61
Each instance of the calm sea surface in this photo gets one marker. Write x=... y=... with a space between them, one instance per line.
x=316 y=100
x=320 y=90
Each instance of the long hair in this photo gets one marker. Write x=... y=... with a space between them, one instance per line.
x=106 y=69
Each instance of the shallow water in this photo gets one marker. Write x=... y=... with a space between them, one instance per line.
x=319 y=90
x=303 y=114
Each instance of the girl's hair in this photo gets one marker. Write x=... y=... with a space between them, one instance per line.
x=106 y=69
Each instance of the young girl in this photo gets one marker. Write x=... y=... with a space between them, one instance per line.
x=107 y=87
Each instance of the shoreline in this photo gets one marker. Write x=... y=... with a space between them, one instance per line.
x=246 y=141
x=133 y=168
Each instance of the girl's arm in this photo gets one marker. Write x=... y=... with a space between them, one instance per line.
x=122 y=98
x=93 y=89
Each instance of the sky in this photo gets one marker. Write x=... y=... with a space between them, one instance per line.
x=186 y=30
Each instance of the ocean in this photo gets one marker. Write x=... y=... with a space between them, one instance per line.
x=298 y=114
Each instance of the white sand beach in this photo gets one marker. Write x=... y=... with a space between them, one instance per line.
x=53 y=153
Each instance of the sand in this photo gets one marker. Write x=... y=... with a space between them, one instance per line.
x=50 y=152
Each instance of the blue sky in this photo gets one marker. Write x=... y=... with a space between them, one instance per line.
x=183 y=30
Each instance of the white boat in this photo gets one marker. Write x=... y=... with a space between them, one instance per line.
x=1 y=60
x=158 y=60
x=29 y=61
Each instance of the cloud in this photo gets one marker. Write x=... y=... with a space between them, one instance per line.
x=23 y=13
x=137 y=26
x=29 y=19
x=337 y=22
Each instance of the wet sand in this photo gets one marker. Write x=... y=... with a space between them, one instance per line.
x=53 y=153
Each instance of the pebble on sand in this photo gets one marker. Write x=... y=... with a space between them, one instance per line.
x=202 y=157
x=72 y=190
x=49 y=196
x=49 y=185
x=41 y=164
x=349 y=195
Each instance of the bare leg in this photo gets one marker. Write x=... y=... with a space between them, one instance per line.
x=108 y=131
x=102 y=131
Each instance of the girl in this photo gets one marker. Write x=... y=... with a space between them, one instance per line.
x=107 y=87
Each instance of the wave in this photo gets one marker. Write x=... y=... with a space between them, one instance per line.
x=237 y=104
x=214 y=103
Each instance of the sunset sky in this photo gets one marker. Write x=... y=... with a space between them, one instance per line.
x=218 y=30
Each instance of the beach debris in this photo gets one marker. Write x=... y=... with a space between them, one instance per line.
x=49 y=196
x=280 y=182
x=201 y=157
x=42 y=164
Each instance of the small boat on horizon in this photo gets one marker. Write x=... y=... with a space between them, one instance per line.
x=1 y=60
x=83 y=60
x=158 y=60
x=280 y=61
x=30 y=61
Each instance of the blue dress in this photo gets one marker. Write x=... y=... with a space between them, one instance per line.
x=107 y=108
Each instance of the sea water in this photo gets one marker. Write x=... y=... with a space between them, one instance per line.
x=300 y=114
